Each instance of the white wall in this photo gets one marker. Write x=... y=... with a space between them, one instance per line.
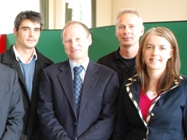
x=150 y=10
x=103 y=12
x=10 y=8
x=156 y=10
x=56 y=14
x=106 y=11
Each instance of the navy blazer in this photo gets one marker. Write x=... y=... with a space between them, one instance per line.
x=30 y=125
x=56 y=108
x=11 y=105
x=168 y=117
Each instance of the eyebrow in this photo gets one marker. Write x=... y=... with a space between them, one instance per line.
x=30 y=27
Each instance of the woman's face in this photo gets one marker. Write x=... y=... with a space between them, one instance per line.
x=157 y=51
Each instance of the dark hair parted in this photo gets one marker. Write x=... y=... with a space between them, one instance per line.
x=172 y=70
x=30 y=15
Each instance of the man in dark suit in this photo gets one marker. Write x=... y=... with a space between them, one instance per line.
x=11 y=105
x=60 y=116
x=28 y=61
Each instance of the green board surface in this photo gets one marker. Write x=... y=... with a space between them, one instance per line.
x=104 y=41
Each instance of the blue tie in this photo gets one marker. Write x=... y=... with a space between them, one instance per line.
x=77 y=85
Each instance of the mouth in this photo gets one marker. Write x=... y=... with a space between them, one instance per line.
x=31 y=40
x=126 y=38
x=154 y=59
x=75 y=50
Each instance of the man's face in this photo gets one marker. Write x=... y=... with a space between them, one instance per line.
x=28 y=34
x=76 y=42
x=129 y=29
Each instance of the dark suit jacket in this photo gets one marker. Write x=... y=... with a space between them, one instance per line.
x=31 y=124
x=168 y=116
x=56 y=108
x=11 y=105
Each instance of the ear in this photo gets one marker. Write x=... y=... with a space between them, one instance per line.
x=171 y=53
x=116 y=32
x=15 y=32
x=142 y=30
x=90 y=39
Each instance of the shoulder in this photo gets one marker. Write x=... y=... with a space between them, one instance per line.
x=108 y=57
x=8 y=55
x=57 y=66
x=102 y=70
x=7 y=72
x=183 y=79
x=104 y=73
x=43 y=58
x=6 y=69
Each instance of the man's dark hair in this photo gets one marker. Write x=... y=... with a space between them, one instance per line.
x=30 y=15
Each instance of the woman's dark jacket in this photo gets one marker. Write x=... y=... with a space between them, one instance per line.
x=167 y=118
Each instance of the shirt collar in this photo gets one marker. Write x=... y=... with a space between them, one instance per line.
x=84 y=64
x=18 y=57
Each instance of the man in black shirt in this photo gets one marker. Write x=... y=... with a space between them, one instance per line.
x=129 y=29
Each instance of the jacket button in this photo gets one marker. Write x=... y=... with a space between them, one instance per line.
x=27 y=107
x=75 y=123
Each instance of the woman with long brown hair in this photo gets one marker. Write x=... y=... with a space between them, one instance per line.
x=153 y=103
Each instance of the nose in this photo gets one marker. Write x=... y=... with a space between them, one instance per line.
x=73 y=43
x=31 y=32
x=155 y=51
x=126 y=30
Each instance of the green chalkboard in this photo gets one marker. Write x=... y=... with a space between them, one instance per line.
x=104 y=41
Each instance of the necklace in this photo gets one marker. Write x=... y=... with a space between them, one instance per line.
x=151 y=94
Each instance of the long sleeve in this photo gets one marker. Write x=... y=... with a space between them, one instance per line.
x=53 y=130
x=13 y=108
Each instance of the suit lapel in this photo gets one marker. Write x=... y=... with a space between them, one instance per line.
x=134 y=86
x=89 y=84
x=20 y=75
x=65 y=78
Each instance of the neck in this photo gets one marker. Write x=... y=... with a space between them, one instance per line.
x=80 y=61
x=154 y=78
x=128 y=52
x=25 y=54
